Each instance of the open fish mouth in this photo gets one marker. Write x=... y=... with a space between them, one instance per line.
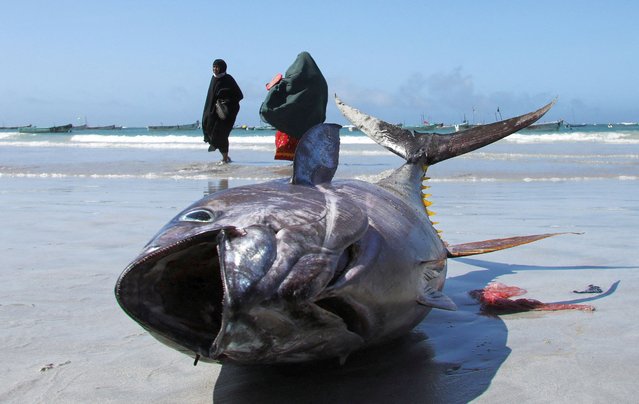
x=176 y=293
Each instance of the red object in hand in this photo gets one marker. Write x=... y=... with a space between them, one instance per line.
x=274 y=81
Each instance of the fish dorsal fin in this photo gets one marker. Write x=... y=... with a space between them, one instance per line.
x=317 y=155
x=436 y=299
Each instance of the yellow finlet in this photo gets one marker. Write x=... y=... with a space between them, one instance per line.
x=425 y=197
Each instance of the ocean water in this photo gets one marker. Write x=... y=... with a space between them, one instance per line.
x=584 y=153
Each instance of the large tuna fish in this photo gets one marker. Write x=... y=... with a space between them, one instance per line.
x=306 y=268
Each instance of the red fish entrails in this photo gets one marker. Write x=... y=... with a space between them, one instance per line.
x=496 y=298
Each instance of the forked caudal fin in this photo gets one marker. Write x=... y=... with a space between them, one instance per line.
x=431 y=148
x=486 y=246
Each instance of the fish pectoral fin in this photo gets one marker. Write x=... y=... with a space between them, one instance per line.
x=436 y=299
x=486 y=246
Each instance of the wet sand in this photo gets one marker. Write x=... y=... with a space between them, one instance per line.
x=65 y=340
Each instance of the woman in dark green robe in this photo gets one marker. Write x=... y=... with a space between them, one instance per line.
x=298 y=101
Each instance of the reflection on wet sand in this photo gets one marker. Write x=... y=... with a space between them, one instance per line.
x=216 y=185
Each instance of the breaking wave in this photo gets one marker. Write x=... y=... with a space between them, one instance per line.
x=576 y=137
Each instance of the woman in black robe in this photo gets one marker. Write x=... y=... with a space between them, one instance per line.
x=217 y=122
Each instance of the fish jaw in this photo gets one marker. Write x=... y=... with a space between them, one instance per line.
x=283 y=333
x=175 y=292
x=192 y=296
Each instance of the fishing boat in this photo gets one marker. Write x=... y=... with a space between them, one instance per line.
x=576 y=125
x=14 y=127
x=429 y=126
x=265 y=127
x=545 y=126
x=52 y=129
x=106 y=127
x=191 y=126
x=86 y=126
x=462 y=126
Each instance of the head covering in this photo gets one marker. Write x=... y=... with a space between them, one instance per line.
x=221 y=64
x=298 y=101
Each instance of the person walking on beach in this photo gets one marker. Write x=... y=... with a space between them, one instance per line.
x=220 y=110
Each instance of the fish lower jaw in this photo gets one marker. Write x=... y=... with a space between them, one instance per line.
x=267 y=335
x=176 y=294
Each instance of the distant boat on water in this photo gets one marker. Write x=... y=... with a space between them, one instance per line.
x=264 y=127
x=462 y=126
x=191 y=126
x=545 y=126
x=105 y=127
x=14 y=127
x=52 y=129
x=429 y=126
x=426 y=125
x=86 y=126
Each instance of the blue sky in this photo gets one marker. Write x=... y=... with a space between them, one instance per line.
x=138 y=63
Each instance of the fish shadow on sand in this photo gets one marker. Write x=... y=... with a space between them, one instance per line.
x=451 y=357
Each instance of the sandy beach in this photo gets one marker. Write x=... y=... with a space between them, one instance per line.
x=64 y=338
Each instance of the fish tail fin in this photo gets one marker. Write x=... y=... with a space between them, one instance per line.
x=431 y=148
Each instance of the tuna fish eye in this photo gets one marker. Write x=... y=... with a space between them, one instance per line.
x=200 y=215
